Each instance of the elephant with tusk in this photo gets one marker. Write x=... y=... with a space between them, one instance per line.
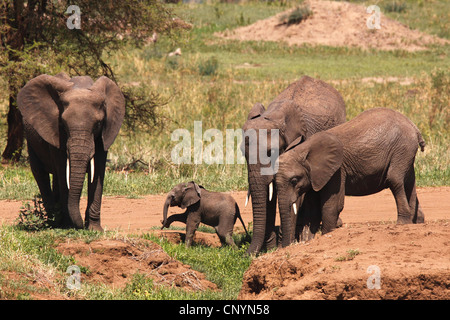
x=305 y=107
x=70 y=123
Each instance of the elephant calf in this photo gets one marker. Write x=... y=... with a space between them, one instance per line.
x=214 y=209
x=372 y=152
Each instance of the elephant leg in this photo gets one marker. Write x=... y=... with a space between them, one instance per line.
x=192 y=222
x=309 y=217
x=43 y=180
x=332 y=198
x=95 y=191
x=181 y=217
x=403 y=210
x=226 y=238
x=411 y=194
x=60 y=191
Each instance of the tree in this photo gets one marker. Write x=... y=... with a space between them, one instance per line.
x=50 y=36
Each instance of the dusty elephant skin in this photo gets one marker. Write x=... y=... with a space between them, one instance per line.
x=374 y=151
x=215 y=209
x=307 y=106
x=70 y=125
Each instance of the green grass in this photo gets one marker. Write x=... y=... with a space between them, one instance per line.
x=32 y=256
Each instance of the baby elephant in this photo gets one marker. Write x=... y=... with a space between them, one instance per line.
x=373 y=151
x=214 y=209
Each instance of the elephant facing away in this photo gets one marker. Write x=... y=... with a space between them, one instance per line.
x=215 y=209
x=304 y=108
x=70 y=123
x=374 y=151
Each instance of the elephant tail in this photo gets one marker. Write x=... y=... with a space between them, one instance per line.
x=422 y=143
x=238 y=215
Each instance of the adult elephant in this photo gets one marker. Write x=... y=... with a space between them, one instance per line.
x=70 y=123
x=305 y=107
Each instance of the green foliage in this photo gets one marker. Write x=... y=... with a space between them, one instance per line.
x=224 y=266
x=208 y=67
x=351 y=254
x=297 y=15
x=395 y=6
x=33 y=216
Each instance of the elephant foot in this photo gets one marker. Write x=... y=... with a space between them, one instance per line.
x=305 y=234
x=94 y=227
x=270 y=242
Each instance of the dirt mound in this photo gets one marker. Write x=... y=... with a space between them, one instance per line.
x=359 y=261
x=178 y=237
x=114 y=262
x=336 y=24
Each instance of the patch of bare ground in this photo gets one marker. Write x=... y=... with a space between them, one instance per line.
x=114 y=262
x=410 y=261
x=336 y=23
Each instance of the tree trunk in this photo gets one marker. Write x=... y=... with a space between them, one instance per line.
x=14 y=39
x=13 y=149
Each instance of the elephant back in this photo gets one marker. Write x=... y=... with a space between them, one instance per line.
x=315 y=97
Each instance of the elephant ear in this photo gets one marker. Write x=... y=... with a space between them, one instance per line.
x=114 y=106
x=295 y=143
x=256 y=111
x=39 y=103
x=63 y=76
x=192 y=195
x=324 y=158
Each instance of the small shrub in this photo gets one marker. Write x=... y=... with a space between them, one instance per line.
x=395 y=6
x=208 y=67
x=351 y=254
x=34 y=217
x=172 y=63
x=297 y=15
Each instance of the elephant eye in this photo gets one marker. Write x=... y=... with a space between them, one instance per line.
x=294 y=181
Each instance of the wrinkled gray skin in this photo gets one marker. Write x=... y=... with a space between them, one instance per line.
x=372 y=152
x=70 y=121
x=307 y=106
x=214 y=209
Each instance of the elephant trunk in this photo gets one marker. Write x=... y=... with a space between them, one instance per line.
x=80 y=153
x=165 y=210
x=263 y=210
x=286 y=219
x=289 y=208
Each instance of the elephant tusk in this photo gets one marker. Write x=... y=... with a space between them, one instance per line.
x=92 y=170
x=68 y=173
x=294 y=206
x=247 y=197
x=270 y=191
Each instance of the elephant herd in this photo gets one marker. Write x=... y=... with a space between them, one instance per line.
x=70 y=123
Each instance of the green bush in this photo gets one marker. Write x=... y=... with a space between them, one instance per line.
x=297 y=15
x=33 y=216
x=395 y=6
x=208 y=67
